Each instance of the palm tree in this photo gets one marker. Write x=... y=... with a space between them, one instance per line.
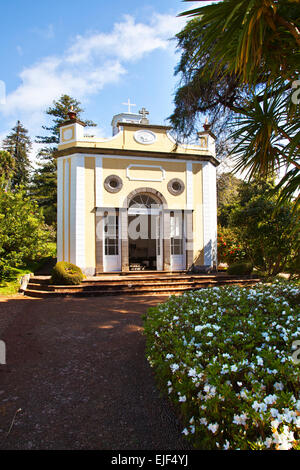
x=257 y=43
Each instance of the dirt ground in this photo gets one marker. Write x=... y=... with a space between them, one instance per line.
x=76 y=369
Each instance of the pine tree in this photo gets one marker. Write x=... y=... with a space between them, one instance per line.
x=59 y=112
x=18 y=144
x=44 y=181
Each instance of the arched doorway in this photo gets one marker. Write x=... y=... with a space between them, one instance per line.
x=145 y=229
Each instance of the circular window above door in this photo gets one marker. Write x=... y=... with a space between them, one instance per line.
x=176 y=187
x=113 y=184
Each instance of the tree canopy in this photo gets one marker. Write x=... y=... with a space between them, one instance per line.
x=239 y=65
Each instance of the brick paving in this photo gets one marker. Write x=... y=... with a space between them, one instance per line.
x=76 y=368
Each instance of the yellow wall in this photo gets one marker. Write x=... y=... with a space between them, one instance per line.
x=125 y=141
x=119 y=166
x=173 y=169
x=90 y=230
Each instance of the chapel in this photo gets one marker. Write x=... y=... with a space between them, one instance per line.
x=138 y=201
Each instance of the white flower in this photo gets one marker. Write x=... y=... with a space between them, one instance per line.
x=275 y=423
x=274 y=412
x=226 y=445
x=192 y=373
x=203 y=421
x=169 y=356
x=174 y=367
x=278 y=386
x=255 y=405
x=213 y=427
x=284 y=440
x=270 y=399
x=260 y=362
x=234 y=368
x=268 y=442
x=199 y=328
x=240 y=419
x=185 y=431
x=182 y=398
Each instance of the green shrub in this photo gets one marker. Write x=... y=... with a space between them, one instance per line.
x=65 y=273
x=23 y=233
x=227 y=357
x=242 y=268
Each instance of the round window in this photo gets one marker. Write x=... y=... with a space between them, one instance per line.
x=176 y=187
x=113 y=184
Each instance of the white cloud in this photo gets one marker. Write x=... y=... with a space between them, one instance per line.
x=77 y=71
x=129 y=41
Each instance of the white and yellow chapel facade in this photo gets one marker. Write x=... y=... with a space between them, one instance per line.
x=136 y=201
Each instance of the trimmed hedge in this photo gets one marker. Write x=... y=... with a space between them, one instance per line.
x=228 y=357
x=242 y=268
x=65 y=273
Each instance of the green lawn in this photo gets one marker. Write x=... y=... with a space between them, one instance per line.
x=11 y=286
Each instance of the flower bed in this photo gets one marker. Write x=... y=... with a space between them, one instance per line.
x=225 y=357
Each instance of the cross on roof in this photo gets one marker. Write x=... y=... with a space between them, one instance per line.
x=144 y=113
x=129 y=105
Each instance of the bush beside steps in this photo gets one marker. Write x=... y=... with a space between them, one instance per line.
x=65 y=273
x=241 y=268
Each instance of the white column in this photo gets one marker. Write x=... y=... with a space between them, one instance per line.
x=59 y=209
x=77 y=211
x=210 y=214
x=66 y=211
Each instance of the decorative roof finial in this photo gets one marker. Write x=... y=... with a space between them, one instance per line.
x=207 y=126
x=144 y=114
x=72 y=114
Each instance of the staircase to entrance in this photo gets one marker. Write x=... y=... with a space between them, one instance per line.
x=136 y=283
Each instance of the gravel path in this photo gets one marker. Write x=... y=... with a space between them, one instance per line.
x=76 y=368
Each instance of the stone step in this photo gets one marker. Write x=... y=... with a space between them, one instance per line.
x=136 y=284
x=145 y=290
x=143 y=280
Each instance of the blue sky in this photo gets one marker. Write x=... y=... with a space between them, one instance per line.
x=99 y=52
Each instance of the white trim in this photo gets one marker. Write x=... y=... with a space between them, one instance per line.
x=178 y=262
x=189 y=186
x=143 y=211
x=66 y=214
x=112 y=263
x=159 y=180
x=122 y=157
x=99 y=180
x=209 y=214
x=59 y=210
x=159 y=257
